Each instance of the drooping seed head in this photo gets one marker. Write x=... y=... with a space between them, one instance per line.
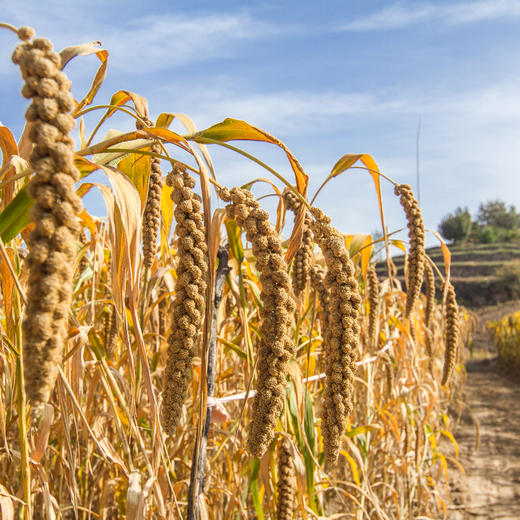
x=286 y=485
x=341 y=343
x=416 y=253
x=451 y=313
x=373 y=303
x=190 y=296
x=152 y=209
x=51 y=244
x=302 y=259
x=276 y=346
x=430 y=294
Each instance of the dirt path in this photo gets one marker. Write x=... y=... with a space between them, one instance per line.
x=489 y=442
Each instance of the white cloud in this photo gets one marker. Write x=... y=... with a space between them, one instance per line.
x=299 y=112
x=166 y=41
x=400 y=15
x=290 y=112
x=149 y=43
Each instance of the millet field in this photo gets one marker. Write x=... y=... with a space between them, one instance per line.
x=208 y=351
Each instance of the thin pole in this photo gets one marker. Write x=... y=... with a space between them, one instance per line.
x=198 y=477
x=417 y=157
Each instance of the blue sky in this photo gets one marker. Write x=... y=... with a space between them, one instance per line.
x=327 y=79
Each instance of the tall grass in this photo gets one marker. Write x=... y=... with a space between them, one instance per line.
x=98 y=448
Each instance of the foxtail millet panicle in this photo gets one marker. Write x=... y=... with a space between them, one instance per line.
x=430 y=294
x=190 y=294
x=406 y=441
x=276 y=345
x=286 y=485
x=162 y=310
x=317 y=277
x=84 y=240
x=389 y=375
x=342 y=340
x=302 y=259
x=451 y=314
x=419 y=433
x=416 y=255
x=414 y=334
x=428 y=310
x=373 y=304
x=110 y=329
x=52 y=243
x=152 y=209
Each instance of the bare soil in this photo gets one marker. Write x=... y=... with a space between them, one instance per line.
x=488 y=435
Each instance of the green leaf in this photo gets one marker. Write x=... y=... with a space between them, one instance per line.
x=255 y=495
x=293 y=412
x=308 y=458
x=233 y=347
x=309 y=422
x=235 y=241
x=15 y=216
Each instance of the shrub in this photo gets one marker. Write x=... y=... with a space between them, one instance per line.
x=487 y=235
x=495 y=213
x=509 y=278
x=456 y=226
x=508 y=235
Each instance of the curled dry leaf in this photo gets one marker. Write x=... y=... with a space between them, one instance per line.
x=219 y=413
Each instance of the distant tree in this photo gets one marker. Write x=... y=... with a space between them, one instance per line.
x=486 y=234
x=497 y=215
x=456 y=226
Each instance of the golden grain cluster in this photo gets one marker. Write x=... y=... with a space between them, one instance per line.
x=286 y=485
x=190 y=294
x=303 y=257
x=342 y=339
x=276 y=346
x=373 y=303
x=415 y=269
x=152 y=209
x=51 y=244
x=452 y=332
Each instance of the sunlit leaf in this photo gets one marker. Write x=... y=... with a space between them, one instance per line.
x=445 y=253
x=353 y=466
x=82 y=50
x=137 y=168
x=122 y=97
x=450 y=436
x=362 y=429
x=9 y=149
x=167 y=207
x=237 y=130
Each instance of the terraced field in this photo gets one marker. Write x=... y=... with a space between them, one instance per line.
x=474 y=271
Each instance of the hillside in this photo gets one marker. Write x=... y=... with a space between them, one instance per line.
x=475 y=271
